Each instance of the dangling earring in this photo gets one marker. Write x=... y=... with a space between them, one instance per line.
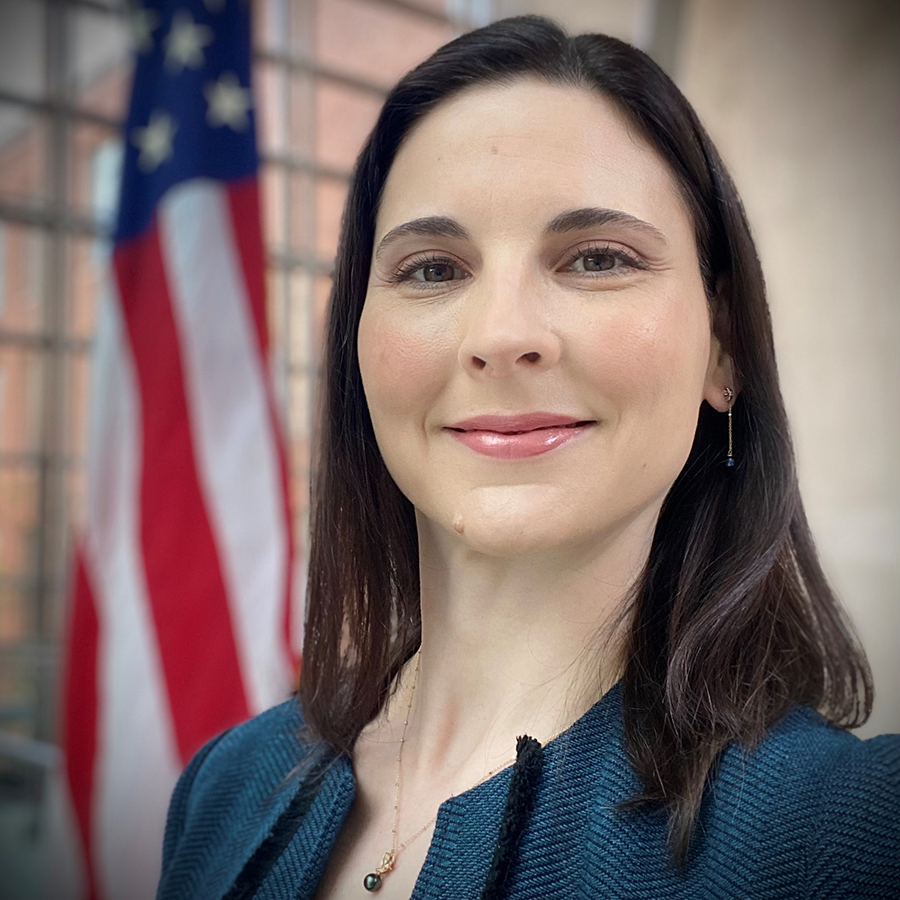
x=729 y=396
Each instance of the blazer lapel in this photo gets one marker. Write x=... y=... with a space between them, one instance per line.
x=305 y=824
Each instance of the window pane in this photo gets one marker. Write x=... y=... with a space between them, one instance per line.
x=99 y=61
x=303 y=202
x=75 y=412
x=322 y=299
x=331 y=194
x=22 y=35
x=86 y=278
x=271 y=25
x=17 y=685
x=375 y=42
x=442 y=7
x=75 y=498
x=19 y=507
x=298 y=417
x=344 y=117
x=23 y=156
x=273 y=209
x=276 y=312
x=61 y=577
x=15 y=623
x=95 y=165
x=22 y=274
x=21 y=388
x=299 y=339
x=302 y=109
x=270 y=87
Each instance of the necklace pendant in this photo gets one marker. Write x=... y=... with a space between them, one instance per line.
x=372 y=881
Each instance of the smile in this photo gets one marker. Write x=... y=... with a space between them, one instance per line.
x=520 y=444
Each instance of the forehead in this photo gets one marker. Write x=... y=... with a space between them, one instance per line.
x=509 y=157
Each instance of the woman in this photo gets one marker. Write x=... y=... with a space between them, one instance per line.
x=567 y=634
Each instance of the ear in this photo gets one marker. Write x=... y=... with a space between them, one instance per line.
x=720 y=371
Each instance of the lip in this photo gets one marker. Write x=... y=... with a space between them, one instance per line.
x=519 y=446
x=521 y=422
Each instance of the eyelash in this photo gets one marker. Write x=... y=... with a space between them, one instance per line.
x=403 y=273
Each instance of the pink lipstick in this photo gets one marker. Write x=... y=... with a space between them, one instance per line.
x=521 y=445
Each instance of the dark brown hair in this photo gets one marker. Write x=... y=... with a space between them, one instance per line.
x=732 y=621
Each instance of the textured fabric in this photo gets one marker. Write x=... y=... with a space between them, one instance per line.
x=812 y=812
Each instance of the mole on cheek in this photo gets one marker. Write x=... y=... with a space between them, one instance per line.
x=458 y=524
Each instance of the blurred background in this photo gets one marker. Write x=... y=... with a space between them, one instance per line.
x=802 y=97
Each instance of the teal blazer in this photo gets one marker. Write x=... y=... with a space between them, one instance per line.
x=812 y=812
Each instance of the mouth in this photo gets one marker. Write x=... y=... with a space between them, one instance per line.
x=528 y=431
x=518 y=444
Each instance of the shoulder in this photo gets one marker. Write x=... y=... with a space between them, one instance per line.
x=273 y=736
x=239 y=770
x=804 y=749
x=824 y=791
x=854 y=844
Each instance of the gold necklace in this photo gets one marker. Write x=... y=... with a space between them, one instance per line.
x=372 y=881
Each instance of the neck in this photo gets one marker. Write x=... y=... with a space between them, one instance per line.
x=509 y=647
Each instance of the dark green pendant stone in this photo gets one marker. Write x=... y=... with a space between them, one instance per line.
x=372 y=882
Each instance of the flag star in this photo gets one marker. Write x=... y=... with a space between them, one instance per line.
x=143 y=23
x=228 y=102
x=154 y=140
x=185 y=42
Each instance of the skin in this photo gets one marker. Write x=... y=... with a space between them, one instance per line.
x=522 y=561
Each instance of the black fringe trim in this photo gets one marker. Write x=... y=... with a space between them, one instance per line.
x=519 y=802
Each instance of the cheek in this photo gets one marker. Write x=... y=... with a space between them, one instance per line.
x=399 y=364
x=651 y=366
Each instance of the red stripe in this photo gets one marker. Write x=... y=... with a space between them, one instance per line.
x=186 y=587
x=244 y=202
x=78 y=723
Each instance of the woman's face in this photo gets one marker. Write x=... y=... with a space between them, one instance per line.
x=499 y=314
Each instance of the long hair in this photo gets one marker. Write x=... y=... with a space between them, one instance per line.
x=732 y=621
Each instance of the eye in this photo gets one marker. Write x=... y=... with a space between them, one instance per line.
x=437 y=270
x=601 y=261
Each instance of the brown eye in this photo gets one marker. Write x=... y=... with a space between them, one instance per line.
x=436 y=271
x=439 y=268
x=607 y=259
x=599 y=262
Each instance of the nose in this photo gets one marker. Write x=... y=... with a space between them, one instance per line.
x=505 y=325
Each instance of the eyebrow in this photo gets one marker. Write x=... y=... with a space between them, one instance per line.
x=571 y=220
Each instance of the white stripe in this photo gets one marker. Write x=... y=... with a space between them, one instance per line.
x=236 y=449
x=137 y=759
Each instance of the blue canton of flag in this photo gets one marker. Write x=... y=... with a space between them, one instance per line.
x=191 y=112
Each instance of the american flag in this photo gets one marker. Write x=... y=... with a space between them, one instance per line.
x=179 y=619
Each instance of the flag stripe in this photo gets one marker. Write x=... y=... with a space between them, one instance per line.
x=135 y=728
x=181 y=618
x=187 y=593
x=225 y=389
x=244 y=201
x=79 y=721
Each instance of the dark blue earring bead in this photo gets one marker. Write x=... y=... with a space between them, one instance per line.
x=729 y=462
x=372 y=882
